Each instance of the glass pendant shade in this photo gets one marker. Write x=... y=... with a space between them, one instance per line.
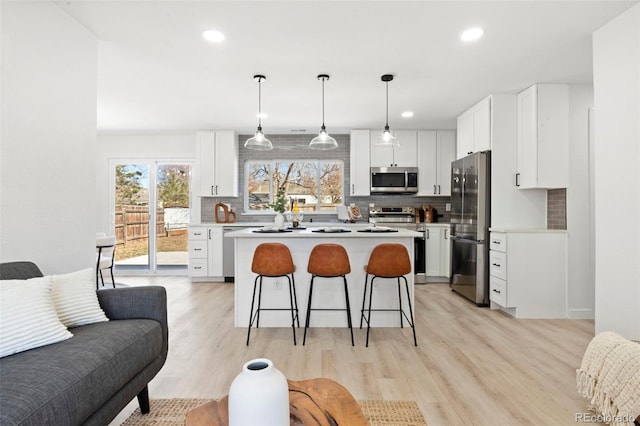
x=259 y=141
x=323 y=140
x=387 y=138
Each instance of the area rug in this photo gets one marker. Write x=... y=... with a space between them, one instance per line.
x=171 y=412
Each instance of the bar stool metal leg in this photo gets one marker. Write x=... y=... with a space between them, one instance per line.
x=294 y=315
x=364 y=297
x=346 y=296
x=306 y=323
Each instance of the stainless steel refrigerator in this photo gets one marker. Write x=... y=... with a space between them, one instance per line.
x=470 y=221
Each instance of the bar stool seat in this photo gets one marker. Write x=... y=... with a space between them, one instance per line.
x=273 y=260
x=328 y=261
x=388 y=261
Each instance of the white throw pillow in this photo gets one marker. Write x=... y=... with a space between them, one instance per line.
x=28 y=318
x=76 y=299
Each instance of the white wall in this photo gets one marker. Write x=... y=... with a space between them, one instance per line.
x=616 y=58
x=581 y=282
x=47 y=197
x=179 y=146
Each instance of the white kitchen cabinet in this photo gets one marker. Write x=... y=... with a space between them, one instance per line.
x=436 y=150
x=360 y=174
x=474 y=129
x=543 y=137
x=205 y=251
x=437 y=250
x=217 y=160
x=403 y=156
x=528 y=273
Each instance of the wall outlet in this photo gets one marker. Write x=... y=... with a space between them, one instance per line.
x=447 y=207
x=277 y=285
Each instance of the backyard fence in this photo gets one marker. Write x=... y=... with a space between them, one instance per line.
x=132 y=223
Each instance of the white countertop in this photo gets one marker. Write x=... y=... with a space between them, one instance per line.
x=529 y=230
x=315 y=224
x=309 y=232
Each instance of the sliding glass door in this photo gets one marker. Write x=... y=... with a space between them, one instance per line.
x=151 y=211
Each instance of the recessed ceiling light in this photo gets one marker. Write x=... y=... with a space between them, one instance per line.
x=213 y=36
x=407 y=114
x=472 y=34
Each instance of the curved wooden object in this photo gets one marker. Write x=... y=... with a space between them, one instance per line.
x=321 y=402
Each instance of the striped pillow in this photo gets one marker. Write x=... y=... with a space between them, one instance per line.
x=28 y=317
x=76 y=299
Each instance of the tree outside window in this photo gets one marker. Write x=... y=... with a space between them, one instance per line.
x=317 y=185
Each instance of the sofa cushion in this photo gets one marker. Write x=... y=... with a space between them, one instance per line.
x=28 y=317
x=74 y=295
x=69 y=380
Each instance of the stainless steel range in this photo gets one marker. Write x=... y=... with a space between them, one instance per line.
x=405 y=217
x=393 y=215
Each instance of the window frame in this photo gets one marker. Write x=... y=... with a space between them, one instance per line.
x=272 y=163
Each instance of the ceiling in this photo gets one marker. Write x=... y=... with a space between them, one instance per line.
x=157 y=74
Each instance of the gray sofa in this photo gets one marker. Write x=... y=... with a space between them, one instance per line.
x=89 y=378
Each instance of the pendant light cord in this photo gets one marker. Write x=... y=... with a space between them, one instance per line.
x=259 y=102
x=387 y=85
x=323 y=102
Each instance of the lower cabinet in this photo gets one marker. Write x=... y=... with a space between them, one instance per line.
x=205 y=251
x=438 y=250
x=528 y=273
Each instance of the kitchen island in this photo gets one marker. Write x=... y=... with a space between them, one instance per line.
x=327 y=292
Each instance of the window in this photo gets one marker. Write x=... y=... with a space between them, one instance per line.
x=315 y=184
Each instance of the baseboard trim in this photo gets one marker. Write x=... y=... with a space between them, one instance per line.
x=581 y=314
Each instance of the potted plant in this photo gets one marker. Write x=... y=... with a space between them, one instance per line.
x=278 y=206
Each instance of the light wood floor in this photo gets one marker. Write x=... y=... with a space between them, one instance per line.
x=472 y=366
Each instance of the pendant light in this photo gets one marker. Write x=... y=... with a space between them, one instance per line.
x=323 y=140
x=387 y=138
x=259 y=141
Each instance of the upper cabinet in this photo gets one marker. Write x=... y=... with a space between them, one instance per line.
x=474 y=129
x=436 y=151
x=217 y=159
x=403 y=156
x=543 y=136
x=360 y=169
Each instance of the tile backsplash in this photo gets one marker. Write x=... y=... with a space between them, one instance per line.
x=557 y=208
x=295 y=147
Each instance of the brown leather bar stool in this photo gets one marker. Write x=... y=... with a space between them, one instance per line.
x=328 y=261
x=273 y=260
x=388 y=261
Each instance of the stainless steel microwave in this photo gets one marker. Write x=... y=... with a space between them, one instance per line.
x=394 y=180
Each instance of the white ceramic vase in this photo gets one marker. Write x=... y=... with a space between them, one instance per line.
x=279 y=221
x=259 y=396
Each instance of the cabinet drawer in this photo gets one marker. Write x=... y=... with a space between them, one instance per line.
x=197 y=233
x=198 y=267
x=498 y=242
x=498 y=264
x=198 y=249
x=498 y=291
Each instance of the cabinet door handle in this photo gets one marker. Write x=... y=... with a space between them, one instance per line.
x=446 y=235
x=209 y=231
x=427 y=234
x=197 y=267
x=496 y=242
x=496 y=291
x=353 y=188
x=434 y=190
x=497 y=265
x=470 y=152
x=197 y=249
x=197 y=233
x=517 y=179
x=212 y=190
x=438 y=189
